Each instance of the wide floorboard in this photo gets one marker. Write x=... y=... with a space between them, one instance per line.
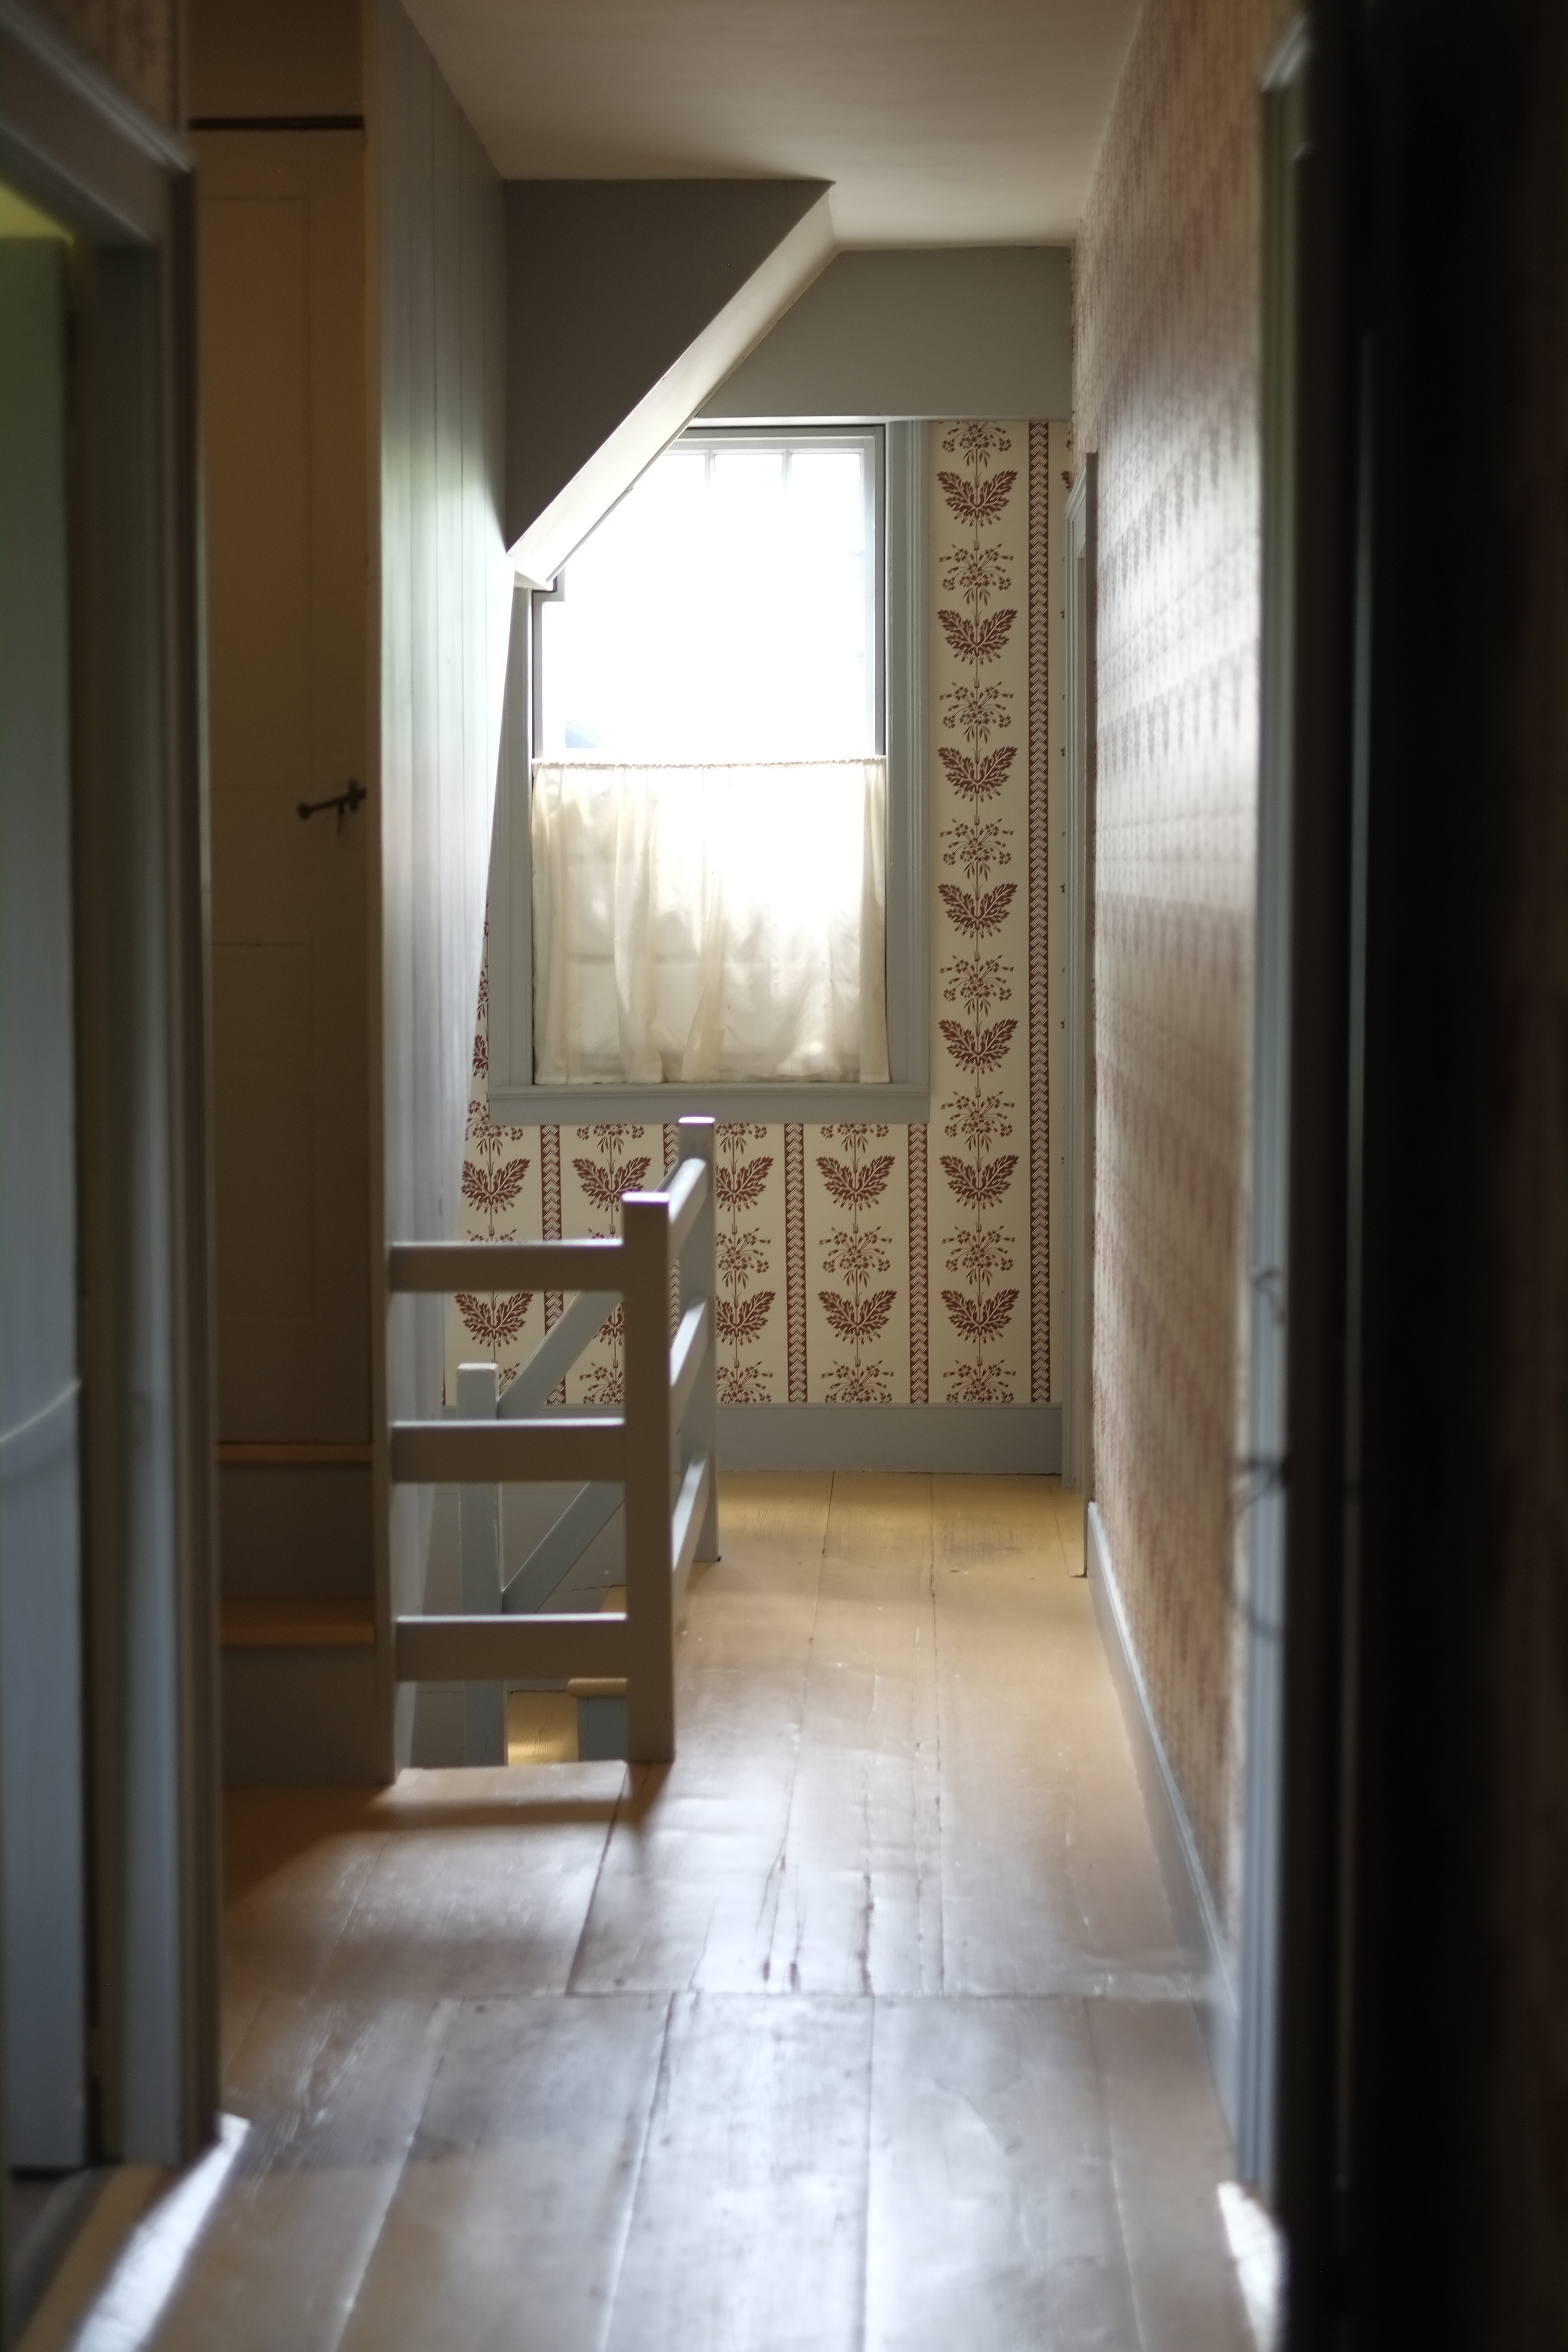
x=862 y=2025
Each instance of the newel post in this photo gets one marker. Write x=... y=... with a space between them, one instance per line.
x=650 y=1691
x=700 y=1431
x=484 y=1704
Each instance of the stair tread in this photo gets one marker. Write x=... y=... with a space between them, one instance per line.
x=296 y=1624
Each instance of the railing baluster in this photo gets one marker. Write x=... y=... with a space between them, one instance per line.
x=484 y=1704
x=699 y=1427
x=651 y=1694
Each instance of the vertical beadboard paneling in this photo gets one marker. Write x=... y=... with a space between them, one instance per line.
x=444 y=605
x=405 y=1511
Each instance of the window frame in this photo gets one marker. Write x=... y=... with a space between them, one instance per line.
x=905 y=1097
x=870 y=438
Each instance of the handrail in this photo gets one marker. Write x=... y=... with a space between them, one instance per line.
x=666 y=1428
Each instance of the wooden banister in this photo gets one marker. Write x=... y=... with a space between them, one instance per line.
x=506 y=1452
x=664 y=1436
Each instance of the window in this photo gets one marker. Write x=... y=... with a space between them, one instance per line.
x=708 y=884
x=726 y=610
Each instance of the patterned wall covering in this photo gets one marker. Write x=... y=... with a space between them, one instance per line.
x=1167 y=327
x=865 y=1263
x=137 y=41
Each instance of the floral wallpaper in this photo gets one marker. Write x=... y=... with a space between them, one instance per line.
x=136 y=41
x=1167 y=333
x=976 y=1060
x=862 y=1262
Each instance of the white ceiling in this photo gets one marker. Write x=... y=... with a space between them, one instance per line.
x=939 y=122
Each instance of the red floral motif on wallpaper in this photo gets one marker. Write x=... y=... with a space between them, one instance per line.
x=492 y=1181
x=978 y=778
x=978 y=1034
x=482 y=1061
x=978 y=500
x=981 y=1319
x=857 y=1253
x=605 y=1181
x=741 y=1184
x=978 y=912
x=977 y=640
x=977 y=573
x=492 y=1190
x=1045 y=594
x=976 y=712
x=495 y=1321
x=606 y=1171
x=978 y=1187
x=980 y=1049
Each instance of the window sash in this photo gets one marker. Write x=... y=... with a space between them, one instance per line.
x=868 y=442
x=516 y=1097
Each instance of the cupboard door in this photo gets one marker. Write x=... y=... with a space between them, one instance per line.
x=42 y=1730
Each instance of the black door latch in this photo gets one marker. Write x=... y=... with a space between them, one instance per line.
x=345 y=803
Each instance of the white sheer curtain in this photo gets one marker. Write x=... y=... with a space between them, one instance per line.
x=709 y=922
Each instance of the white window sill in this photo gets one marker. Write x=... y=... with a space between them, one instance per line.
x=772 y=1102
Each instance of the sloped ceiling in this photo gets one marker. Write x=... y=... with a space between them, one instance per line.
x=938 y=121
x=859 y=342
x=627 y=304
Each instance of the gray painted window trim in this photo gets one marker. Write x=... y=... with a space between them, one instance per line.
x=906 y=1097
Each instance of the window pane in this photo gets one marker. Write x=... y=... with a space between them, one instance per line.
x=723 y=611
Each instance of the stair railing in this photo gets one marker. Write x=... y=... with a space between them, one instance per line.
x=658 y=1449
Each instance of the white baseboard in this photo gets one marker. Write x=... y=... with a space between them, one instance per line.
x=1197 y=1921
x=947 y=1437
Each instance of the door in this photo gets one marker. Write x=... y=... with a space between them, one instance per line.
x=284 y=458
x=41 y=1719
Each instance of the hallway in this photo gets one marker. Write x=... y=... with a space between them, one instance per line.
x=859 y=2025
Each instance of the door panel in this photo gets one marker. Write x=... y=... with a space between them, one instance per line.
x=41 y=1726
x=285 y=492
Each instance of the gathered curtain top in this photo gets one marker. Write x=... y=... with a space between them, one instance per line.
x=691 y=923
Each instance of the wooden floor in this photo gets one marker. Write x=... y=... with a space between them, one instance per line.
x=859 y=2025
